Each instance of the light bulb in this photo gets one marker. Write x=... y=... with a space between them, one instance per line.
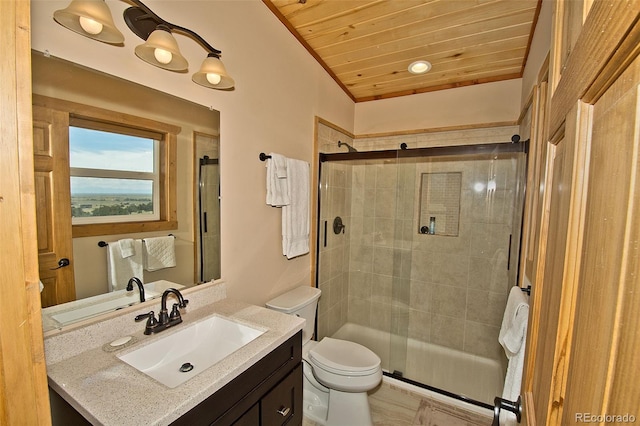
x=162 y=56
x=213 y=78
x=90 y=26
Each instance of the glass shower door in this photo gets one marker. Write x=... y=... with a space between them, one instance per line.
x=209 y=205
x=455 y=258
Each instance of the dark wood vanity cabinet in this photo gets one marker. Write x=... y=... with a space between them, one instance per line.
x=281 y=406
x=269 y=393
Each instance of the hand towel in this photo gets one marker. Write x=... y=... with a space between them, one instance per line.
x=159 y=253
x=277 y=181
x=127 y=247
x=295 y=216
x=513 y=334
x=121 y=269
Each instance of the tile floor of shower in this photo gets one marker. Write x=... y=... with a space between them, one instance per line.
x=461 y=373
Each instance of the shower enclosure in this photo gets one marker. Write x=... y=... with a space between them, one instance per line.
x=417 y=251
x=209 y=219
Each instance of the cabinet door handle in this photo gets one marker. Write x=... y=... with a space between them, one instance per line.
x=284 y=412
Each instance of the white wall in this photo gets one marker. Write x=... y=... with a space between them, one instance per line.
x=539 y=48
x=280 y=88
x=497 y=102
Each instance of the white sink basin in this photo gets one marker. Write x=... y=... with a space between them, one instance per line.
x=199 y=346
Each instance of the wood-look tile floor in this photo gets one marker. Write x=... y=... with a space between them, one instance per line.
x=395 y=406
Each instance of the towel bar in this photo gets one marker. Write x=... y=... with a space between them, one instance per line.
x=264 y=157
x=104 y=243
x=514 y=406
x=526 y=290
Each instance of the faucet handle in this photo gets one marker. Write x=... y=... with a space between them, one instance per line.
x=151 y=321
x=175 y=313
x=150 y=316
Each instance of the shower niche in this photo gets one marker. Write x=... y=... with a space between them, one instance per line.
x=439 y=203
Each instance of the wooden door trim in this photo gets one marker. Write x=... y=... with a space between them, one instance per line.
x=597 y=53
x=578 y=128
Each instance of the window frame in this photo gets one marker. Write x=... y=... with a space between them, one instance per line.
x=167 y=153
x=153 y=176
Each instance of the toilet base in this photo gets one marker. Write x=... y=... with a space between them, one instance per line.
x=348 y=409
x=334 y=408
x=315 y=406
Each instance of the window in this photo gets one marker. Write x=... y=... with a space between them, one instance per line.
x=138 y=168
x=114 y=176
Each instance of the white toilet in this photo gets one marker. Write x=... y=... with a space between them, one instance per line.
x=337 y=373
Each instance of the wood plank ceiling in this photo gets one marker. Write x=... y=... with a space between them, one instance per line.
x=367 y=45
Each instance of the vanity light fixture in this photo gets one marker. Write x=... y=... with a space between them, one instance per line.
x=419 y=67
x=93 y=19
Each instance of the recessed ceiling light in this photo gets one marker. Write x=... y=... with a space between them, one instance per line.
x=419 y=67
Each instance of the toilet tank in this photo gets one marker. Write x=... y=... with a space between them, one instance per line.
x=301 y=302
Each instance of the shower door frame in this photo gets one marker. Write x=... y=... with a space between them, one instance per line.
x=515 y=146
x=204 y=161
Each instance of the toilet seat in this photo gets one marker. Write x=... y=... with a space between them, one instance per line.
x=344 y=358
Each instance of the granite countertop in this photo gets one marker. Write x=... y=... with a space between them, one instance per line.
x=107 y=391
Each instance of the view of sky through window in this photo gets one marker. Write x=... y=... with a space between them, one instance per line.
x=92 y=149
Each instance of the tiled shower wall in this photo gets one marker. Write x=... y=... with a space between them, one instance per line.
x=446 y=290
x=333 y=268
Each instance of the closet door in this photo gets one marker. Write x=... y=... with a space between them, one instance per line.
x=603 y=375
x=556 y=286
x=584 y=344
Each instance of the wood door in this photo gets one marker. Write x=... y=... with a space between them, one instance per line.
x=554 y=294
x=603 y=375
x=53 y=209
x=24 y=399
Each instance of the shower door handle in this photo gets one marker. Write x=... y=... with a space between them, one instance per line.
x=325 y=233
x=204 y=219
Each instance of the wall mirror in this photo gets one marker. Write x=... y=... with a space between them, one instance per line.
x=188 y=174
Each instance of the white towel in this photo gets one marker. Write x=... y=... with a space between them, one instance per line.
x=159 y=253
x=513 y=334
x=295 y=216
x=277 y=181
x=127 y=247
x=121 y=269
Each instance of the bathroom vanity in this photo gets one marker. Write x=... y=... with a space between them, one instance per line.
x=258 y=384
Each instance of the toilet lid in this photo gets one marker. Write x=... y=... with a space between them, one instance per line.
x=344 y=357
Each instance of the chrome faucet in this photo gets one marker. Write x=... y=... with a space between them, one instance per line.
x=165 y=319
x=140 y=287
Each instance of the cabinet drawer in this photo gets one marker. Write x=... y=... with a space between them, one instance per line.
x=283 y=404
x=250 y=418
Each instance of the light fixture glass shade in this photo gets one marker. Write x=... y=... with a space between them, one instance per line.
x=213 y=74
x=161 y=50
x=419 y=67
x=91 y=18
